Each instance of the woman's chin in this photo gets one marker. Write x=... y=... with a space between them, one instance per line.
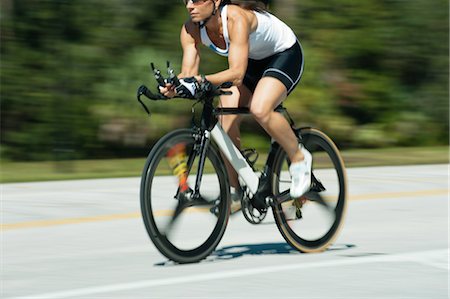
x=196 y=19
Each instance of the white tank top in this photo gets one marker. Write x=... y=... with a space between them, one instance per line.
x=271 y=36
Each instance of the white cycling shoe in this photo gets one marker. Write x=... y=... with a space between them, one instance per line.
x=301 y=174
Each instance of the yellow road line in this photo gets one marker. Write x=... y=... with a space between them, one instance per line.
x=55 y=222
x=400 y=194
x=42 y=223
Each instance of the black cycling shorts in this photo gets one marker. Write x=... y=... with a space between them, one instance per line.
x=286 y=66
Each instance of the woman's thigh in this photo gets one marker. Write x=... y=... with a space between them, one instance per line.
x=269 y=93
x=240 y=97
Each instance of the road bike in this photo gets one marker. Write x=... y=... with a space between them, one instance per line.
x=185 y=192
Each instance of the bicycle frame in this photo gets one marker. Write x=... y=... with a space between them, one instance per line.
x=259 y=186
x=258 y=183
x=235 y=157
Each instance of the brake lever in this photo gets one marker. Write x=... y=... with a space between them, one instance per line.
x=225 y=93
x=173 y=79
x=159 y=78
x=226 y=85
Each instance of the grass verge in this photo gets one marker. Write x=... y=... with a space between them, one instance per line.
x=89 y=169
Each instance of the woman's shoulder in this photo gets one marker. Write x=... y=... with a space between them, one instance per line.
x=236 y=13
x=192 y=29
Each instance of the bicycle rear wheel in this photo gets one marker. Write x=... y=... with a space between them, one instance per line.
x=312 y=222
x=181 y=226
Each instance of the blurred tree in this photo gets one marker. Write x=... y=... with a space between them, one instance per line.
x=375 y=58
x=376 y=73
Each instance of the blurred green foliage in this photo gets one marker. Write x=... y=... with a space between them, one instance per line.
x=376 y=74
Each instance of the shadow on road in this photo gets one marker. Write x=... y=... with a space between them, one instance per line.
x=237 y=251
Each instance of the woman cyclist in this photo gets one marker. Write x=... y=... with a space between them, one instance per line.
x=265 y=64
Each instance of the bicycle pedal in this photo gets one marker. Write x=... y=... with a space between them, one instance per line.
x=215 y=208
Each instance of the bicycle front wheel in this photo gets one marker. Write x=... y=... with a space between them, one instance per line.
x=182 y=226
x=311 y=222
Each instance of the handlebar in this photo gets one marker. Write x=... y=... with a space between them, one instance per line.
x=206 y=92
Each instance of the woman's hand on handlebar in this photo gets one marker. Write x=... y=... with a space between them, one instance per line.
x=168 y=90
x=186 y=88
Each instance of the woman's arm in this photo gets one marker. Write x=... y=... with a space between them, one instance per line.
x=239 y=28
x=190 y=39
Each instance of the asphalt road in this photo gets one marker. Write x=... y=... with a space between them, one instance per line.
x=85 y=239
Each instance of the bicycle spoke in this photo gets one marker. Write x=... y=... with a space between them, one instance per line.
x=316 y=185
x=181 y=205
x=314 y=194
x=317 y=197
x=283 y=197
x=201 y=201
x=185 y=201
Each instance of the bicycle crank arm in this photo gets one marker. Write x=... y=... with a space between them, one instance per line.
x=282 y=197
x=310 y=195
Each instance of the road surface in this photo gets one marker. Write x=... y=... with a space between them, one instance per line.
x=85 y=239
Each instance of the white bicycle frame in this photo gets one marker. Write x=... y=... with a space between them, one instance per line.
x=235 y=157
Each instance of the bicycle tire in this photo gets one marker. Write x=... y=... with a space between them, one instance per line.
x=293 y=228
x=149 y=194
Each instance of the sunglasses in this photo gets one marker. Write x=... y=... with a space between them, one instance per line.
x=194 y=2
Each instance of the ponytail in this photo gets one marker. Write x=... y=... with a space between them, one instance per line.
x=259 y=6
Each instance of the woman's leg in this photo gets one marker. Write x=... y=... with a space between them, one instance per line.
x=269 y=93
x=230 y=123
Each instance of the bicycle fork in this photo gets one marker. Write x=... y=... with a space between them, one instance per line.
x=204 y=143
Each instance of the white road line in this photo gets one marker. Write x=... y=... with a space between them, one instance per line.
x=420 y=257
